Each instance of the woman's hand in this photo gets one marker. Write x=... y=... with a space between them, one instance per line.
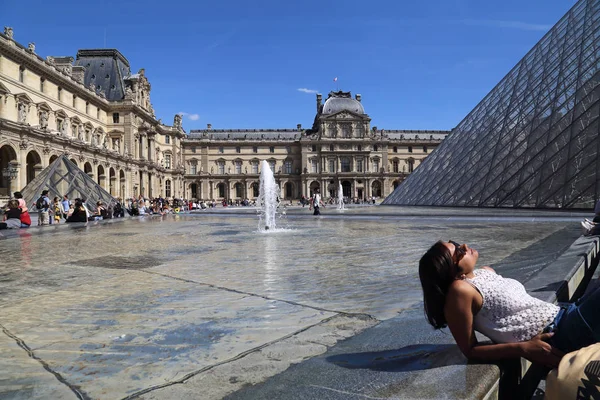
x=537 y=350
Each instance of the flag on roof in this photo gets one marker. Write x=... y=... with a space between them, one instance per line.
x=335 y=79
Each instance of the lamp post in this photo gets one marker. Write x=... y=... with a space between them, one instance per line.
x=10 y=173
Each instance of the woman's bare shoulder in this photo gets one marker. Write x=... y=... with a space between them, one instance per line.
x=460 y=287
x=488 y=269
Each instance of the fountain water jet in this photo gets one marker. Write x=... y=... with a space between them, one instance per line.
x=340 y=197
x=267 y=198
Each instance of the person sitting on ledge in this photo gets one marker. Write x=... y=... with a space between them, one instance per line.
x=79 y=213
x=467 y=299
x=12 y=216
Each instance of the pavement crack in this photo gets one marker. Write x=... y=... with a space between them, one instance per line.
x=348 y=314
x=238 y=357
x=75 y=389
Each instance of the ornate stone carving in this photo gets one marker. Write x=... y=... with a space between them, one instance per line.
x=105 y=143
x=64 y=128
x=23 y=144
x=95 y=161
x=43 y=119
x=8 y=31
x=50 y=60
x=116 y=145
x=177 y=122
x=93 y=139
x=46 y=150
x=81 y=158
x=128 y=93
x=125 y=149
x=80 y=133
x=22 y=113
x=92 y=87
x=31 y=47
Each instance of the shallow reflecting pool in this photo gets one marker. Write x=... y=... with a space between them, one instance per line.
x=119 y=307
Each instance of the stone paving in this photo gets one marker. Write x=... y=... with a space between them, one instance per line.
x=144 y=307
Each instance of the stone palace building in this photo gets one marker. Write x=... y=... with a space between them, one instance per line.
x=96 y=111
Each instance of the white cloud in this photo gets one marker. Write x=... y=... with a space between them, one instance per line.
x=191 y=117
x=305 y=90
x=525 y=26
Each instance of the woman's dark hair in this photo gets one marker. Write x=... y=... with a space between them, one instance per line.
x=437 y=270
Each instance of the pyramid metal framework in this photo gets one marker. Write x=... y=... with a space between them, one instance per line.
x=534 y=140
x=62 y=177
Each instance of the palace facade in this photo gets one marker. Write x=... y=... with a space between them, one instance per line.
x=91 y=108
x=96 y=111
x=341 y=147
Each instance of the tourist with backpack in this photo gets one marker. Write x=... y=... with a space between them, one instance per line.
x=43 y=206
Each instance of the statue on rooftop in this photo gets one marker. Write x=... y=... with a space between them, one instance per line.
x=8 y=31
x=31 y=47
x=177 y=122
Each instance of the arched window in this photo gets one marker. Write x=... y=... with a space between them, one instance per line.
x=239 y=190
x=221 y=189
x=411 y=165
x=395 y=165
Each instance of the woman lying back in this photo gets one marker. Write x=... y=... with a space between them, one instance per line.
x=466 y=299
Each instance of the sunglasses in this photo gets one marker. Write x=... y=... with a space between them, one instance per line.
x=459 y=252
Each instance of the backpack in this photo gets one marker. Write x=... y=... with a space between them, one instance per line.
x=40 y=203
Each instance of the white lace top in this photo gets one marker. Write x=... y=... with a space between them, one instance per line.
x=509 y=314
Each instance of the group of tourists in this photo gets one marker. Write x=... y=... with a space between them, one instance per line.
x=58 y=209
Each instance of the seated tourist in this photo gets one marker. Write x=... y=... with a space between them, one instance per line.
x=466 y=299
x=25 y=217
x=101 y=212
x=79 y=213
x=12 y=216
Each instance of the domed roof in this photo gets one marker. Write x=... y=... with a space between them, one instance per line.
x=339 y=101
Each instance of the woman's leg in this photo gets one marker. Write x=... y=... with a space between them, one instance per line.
x=580 y=325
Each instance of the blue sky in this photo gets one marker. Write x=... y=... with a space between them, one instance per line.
x=242 y=64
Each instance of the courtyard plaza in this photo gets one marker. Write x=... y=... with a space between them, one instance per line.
x=203 y=305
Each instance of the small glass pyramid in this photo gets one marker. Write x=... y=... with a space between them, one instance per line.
x=62 y=177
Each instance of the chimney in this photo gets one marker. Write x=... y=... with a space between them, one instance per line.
x=209 y=126
x=299 y=126
x=78 y=73
x=319 y=99
x=358 y=97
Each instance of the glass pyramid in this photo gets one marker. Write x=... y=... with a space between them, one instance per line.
x=533 y=141
x=63 y=177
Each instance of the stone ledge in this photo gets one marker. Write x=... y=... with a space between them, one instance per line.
x=405 y=358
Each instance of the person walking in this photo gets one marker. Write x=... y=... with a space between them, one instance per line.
x=317 y=202
x=43 y=206
x=66 y=205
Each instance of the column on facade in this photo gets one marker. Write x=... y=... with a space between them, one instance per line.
x=22 y=167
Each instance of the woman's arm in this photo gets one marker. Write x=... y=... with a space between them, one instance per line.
x=460 y=300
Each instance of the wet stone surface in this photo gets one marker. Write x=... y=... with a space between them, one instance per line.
x=117 y=262
x=208 y=300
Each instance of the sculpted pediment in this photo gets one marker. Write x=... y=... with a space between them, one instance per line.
x=345 y=114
